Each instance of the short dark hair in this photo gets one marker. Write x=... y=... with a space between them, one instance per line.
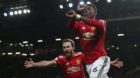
x=69 y=40
x=95 y=8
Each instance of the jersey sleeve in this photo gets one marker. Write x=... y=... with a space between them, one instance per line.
x=100 y=24
x=73 y=25
x=60 y=60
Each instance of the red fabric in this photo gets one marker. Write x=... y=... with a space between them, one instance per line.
x=92 y=37
x=72 y=68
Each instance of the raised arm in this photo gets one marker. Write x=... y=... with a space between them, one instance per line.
x=30 y=63
x=71 y=14
x=93 y=22
x=90 y=21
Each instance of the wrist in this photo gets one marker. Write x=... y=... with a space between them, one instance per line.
x=78 y=16
x=34 y=65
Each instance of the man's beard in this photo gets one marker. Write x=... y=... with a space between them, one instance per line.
x=68 y=54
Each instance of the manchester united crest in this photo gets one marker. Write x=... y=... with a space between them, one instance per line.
x=78 y=61
x=93 y=28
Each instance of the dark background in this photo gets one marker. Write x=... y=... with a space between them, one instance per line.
x=47 y=22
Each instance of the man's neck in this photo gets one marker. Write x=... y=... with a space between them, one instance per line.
x=69 y=57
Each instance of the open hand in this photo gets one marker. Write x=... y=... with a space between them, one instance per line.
x=29 y=63
x=117 y=63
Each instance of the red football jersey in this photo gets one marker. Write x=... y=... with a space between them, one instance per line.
x=72 y=68
x=92 y=37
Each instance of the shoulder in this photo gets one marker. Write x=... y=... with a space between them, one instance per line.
x=103 y=21
x=78 y=54
x=60 y=57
